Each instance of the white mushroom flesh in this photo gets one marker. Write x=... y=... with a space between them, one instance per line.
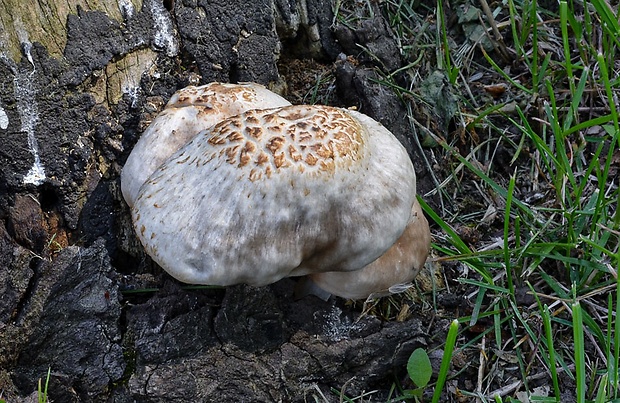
x=275 y=193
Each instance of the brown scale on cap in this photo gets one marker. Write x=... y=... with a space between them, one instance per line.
x=297 y=137
x=216 y=95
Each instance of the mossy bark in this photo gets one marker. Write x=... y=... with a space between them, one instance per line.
x=23 y=21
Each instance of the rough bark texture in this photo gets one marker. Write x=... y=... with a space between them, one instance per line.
x=78 y=84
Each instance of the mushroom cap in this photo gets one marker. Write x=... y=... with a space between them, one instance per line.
x=189 y=111
x=275 y=193
x=398 y=265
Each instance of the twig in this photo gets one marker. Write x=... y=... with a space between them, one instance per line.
x=504 y=390
x=483 y=357
x=498 y=36
x=344 y=388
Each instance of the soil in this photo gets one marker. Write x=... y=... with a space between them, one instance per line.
x=80 y=296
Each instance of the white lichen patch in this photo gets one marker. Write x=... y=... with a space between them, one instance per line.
x=337 y=328
x=28 y=110
x=164 y=30
x=24 y=39
x=27 y=51
x=126 y=8
x=123 y=77
x=4 y=119
x=134 y=94
x=36 y=174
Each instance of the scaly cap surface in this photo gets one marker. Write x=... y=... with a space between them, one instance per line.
x=189 y=111
x=274 y=193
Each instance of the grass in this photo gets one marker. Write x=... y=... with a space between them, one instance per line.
x=553 y=195
x=445 y=362
x=574 y=230
x=42 y=388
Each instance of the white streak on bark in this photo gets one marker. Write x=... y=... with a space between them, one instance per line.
x=25 y=94
x=4 y=119
x=164 y=30
x=126 y=8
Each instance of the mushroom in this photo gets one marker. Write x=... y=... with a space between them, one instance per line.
x=399 y=265
x=189 y=111
x=286 y=192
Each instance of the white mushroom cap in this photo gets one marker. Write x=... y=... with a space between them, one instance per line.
x=188 y=112
x=399 y=265
x=275 y=193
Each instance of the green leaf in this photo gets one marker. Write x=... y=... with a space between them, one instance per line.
x=419 y=368
x=412 y=393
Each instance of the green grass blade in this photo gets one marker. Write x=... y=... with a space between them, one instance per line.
x=612 y=373
x=610 y=95
x=502 y=73
x=507 y=251
x=454 y=238
x=486 y=286
x=616 y=361
x=610 y=20
x=445 y=362
x=580 y=362
x=566 y=46
x=497 y=188
x=601 y=393
x=477 y=306
x=551 y=351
